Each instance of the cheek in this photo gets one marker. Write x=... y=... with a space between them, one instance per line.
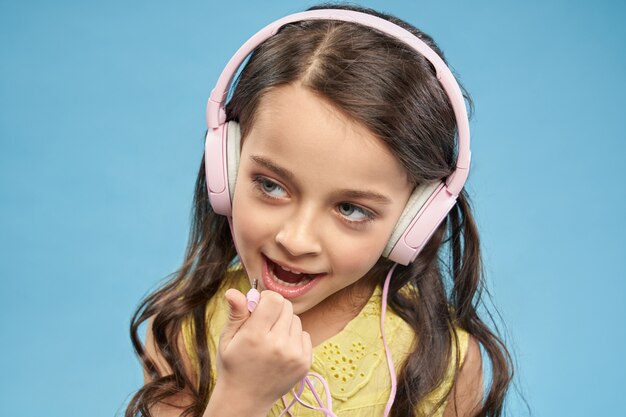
x=253 y=223
x=243 y=223
x=359 y=255
x=244 y=228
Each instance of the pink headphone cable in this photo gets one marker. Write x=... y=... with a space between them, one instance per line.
x=392 y=370
x=327 y=409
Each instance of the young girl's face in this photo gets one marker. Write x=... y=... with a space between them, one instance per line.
x=316 y=199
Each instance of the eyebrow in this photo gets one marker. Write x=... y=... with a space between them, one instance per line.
x=347 y=193
x=273 y=167
x=367 y=195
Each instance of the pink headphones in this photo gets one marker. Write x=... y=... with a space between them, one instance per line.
x=429 y=203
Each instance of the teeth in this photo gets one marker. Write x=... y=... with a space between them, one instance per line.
x=289 y=270
x=289 y=284
x=307 y=278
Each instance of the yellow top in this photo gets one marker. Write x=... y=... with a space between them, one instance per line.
x=353 y=361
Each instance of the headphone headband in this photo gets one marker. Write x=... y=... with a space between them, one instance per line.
x=216 y=114
x=430 y=202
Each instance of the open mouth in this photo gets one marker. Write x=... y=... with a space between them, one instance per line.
x=285 y=282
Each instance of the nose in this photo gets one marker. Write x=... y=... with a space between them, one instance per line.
x=299 y=235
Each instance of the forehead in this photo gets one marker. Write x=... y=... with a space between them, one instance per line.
x=306 y=134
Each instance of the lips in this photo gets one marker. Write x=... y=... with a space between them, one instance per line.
x=289 y=284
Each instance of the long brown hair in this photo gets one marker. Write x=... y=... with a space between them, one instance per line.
x=385 y=85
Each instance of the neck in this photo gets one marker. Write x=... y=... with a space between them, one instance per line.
x=332 y=315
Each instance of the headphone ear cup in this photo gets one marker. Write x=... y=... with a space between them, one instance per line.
x=427 y=206
x=233 y=154
x=221 y=161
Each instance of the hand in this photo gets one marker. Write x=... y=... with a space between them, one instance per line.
x=264 y=354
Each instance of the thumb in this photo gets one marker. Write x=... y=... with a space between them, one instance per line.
x=237 y=313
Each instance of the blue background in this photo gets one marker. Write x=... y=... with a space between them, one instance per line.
x=101 y=129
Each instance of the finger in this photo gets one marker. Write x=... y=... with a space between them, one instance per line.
x=296 y=327
x=307 y=346
x=267 y=312
x=237 y=313
x=282 y=326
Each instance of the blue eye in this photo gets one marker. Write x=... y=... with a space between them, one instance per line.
x=269 y=187
x=354 y=213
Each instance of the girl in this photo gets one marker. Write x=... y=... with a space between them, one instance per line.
x=346 y=136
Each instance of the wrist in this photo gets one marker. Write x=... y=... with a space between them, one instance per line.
x=227 y=401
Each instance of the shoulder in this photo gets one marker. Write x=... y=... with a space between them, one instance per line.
x=466 y=394
x=154 y=354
